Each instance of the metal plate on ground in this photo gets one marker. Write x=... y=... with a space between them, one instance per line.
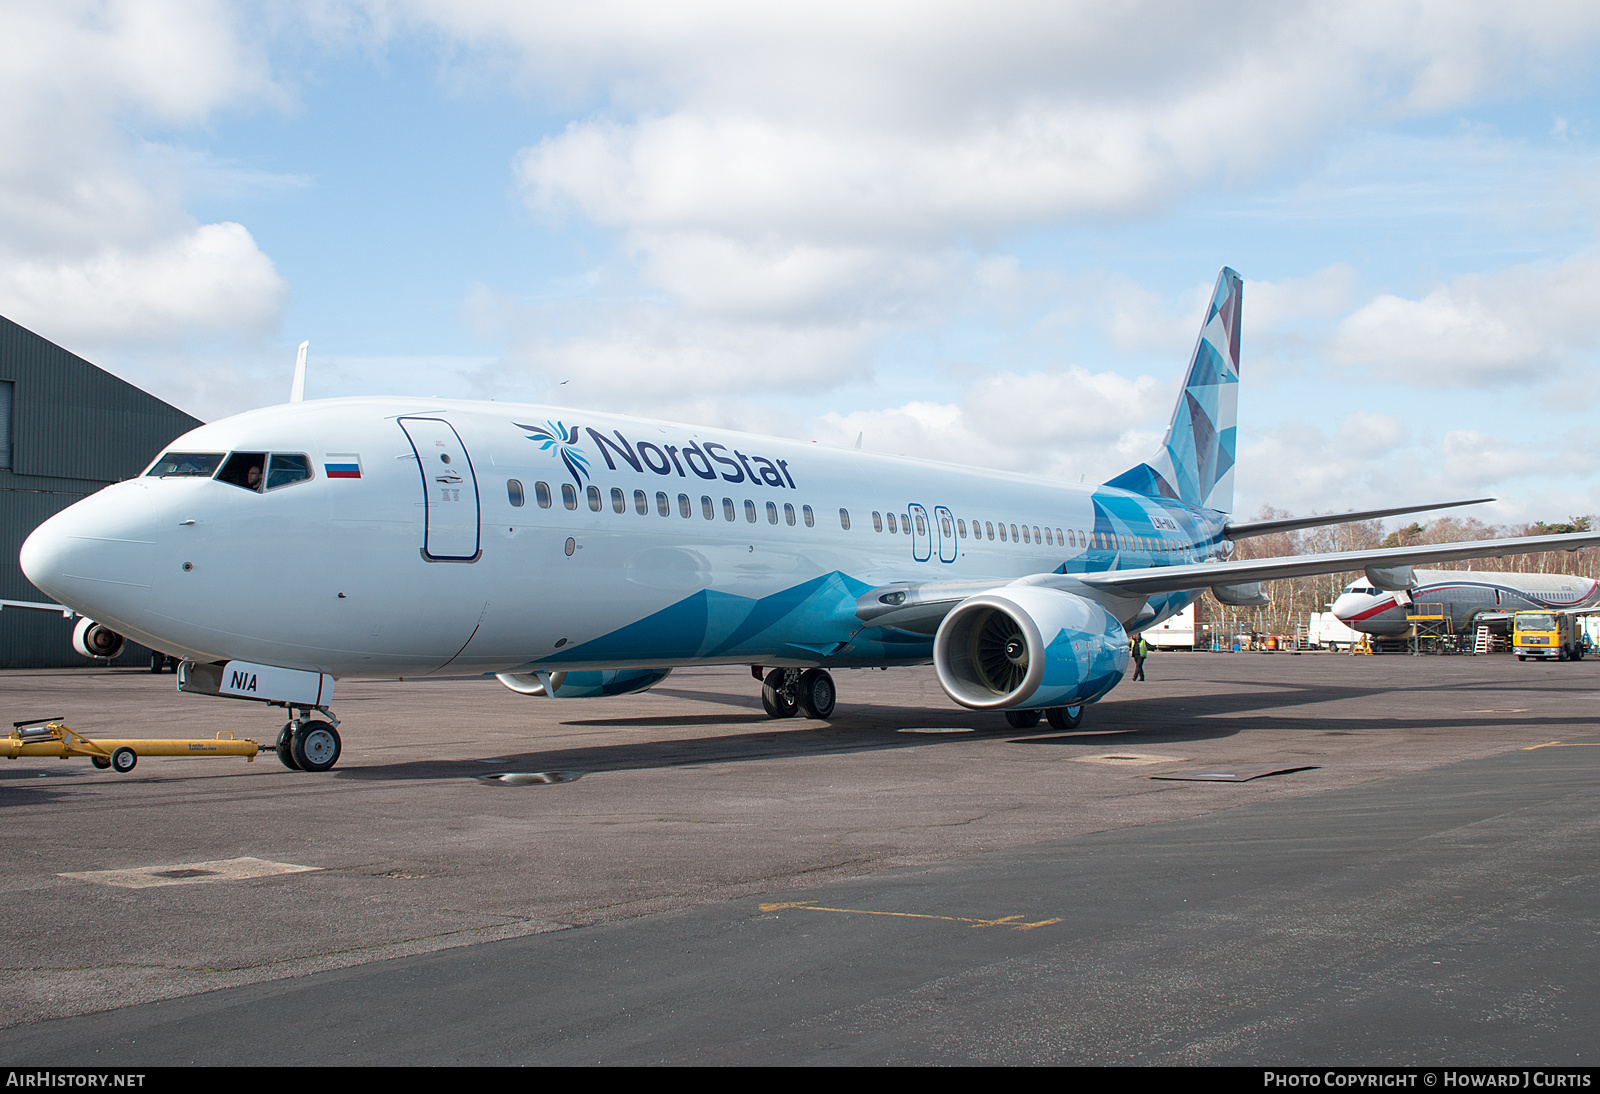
x=1129 y=759
x=189 y=873
x=1231 y=774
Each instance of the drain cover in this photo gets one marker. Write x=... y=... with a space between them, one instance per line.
x=530 y=778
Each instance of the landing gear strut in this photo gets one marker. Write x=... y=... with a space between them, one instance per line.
x=811 y=693
x=309 y=744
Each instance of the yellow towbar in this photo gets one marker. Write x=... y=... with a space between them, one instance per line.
x=49 y=737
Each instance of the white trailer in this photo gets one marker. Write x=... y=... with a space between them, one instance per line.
x=1176 y=633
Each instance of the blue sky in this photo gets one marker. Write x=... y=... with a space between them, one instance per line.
x=978 y=233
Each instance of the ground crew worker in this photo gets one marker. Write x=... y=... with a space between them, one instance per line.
x=1140 y=650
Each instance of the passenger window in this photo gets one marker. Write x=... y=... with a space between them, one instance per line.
x=961 y=528
x=641 y=502
x=619 y=502
x=708 y=508
x=541 y=494
x=772 y=513
x=244 y=469
x=1025 y=537
x=990 y=528
x=893 y=525
x=287 y=468
x=514 y=493
x=922 y=526
x=844 y=519
x=1002 y=533
x=811 y=518
x=1035 y=534
x=1048 y=542
x=685 y=506
x=1013 y=533
x=944 y=526
x=663 y=504
x=727 y=509
x=569 y=496
x=594 y=499
x=788 y=514
x=877 y=521
x=749 y=510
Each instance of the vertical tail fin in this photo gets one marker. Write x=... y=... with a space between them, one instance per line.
x=1195 y=462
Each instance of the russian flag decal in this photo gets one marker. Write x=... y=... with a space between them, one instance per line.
x=342 y=465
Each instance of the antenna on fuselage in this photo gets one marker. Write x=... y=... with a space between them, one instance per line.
x=858 y=440
x=297 y=392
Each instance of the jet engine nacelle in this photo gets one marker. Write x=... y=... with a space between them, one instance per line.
x=1029 y=647
x=585 y=685
x=96 y=640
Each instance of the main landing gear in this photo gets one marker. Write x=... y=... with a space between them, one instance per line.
x=309 y=744
x=786 y=691
x=1062 y=718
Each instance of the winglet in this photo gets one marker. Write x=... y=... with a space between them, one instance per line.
x=298 y=391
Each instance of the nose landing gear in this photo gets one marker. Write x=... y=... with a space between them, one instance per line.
x=309 y=744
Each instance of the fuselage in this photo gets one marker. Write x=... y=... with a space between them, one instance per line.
x=409 y=536
x=1463 y=595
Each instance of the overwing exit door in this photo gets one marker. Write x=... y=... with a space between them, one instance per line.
x=449 y=491
x=945 y=528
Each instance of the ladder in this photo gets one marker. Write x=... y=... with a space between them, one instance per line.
x=1484 y=642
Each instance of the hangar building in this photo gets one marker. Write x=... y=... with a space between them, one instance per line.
x=67 y=429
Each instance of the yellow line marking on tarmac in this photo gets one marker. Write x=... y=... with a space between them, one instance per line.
x=1561 y=744
x=1005 y=921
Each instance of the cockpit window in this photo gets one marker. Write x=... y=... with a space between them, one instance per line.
x=244 y=469
x=288 y=468
x=186 y=463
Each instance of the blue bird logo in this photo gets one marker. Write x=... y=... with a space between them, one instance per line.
x=555 y=438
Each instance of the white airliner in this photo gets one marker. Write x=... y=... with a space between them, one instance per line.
x=575 y=553
x=1466 y=597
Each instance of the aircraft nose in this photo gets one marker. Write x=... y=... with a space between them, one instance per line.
x=95 y=556
x=1344 y=607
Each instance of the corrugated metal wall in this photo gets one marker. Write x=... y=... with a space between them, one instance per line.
x=73 y=429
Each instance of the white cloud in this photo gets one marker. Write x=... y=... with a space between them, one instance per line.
x=1523 y=324
x=93 y=246
x=1065 y=424
x=1322 y=295
x=1476 y=460
x=1371 y=433
x=212 y=280
x=646 y=358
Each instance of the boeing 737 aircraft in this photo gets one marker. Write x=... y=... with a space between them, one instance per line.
x=575 y=553
x=1467 y=597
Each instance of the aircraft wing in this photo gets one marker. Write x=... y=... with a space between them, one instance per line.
x=38 y=607
x=919 y=607
x=1166 y=579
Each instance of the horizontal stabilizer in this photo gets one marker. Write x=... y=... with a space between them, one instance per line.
x=1167 y=579
x=1247 y=528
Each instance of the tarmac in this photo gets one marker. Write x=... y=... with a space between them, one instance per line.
x=1400 y=871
